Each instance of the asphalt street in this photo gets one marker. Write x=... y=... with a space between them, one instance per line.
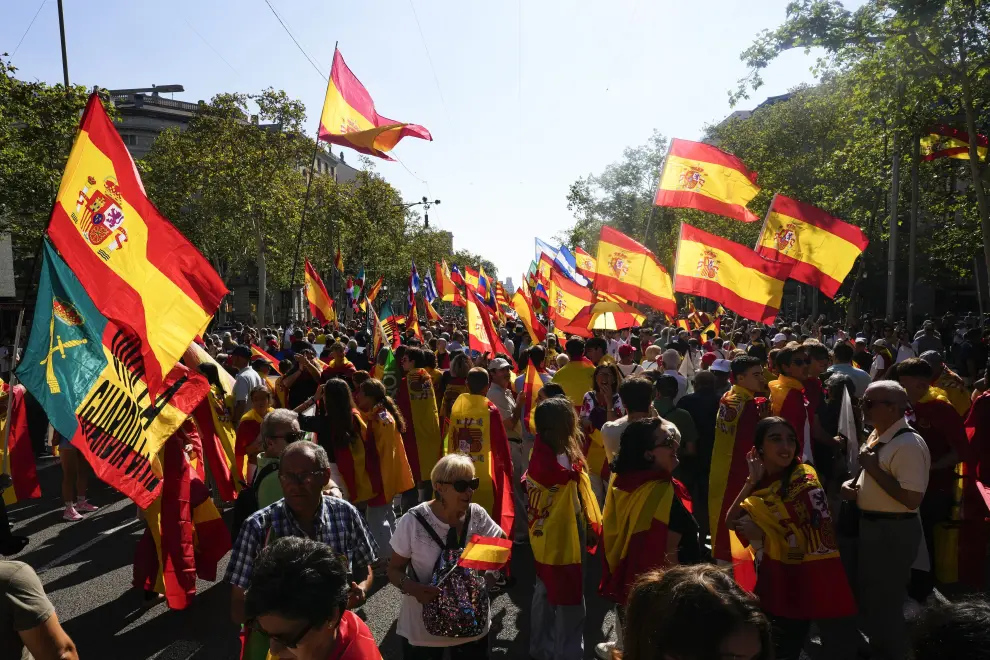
x=86 y=568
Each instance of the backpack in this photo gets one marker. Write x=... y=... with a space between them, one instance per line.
x=461 y=609
x=247 y=501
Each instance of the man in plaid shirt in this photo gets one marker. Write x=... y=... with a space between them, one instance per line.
x=305 y=512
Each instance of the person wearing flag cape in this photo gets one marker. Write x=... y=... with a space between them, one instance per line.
x=421 y=438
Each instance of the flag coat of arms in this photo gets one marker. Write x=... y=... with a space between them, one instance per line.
x=700 y=176
x=947 y=142
x=821 y=249
x=566 y=299
x=627 y=268
x=728 y=273
x=349 y=117
x=139 y=271
x=87 y=374
x=586 y=264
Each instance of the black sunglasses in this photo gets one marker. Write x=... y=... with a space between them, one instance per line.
x=869 y=403
x=301 y=478
x=291 y=436
x=289 y=643
x=462 y=485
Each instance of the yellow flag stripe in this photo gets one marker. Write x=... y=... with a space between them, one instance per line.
x=720 y=183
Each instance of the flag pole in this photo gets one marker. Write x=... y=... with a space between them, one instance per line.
x=766 y=219
x=309 y=184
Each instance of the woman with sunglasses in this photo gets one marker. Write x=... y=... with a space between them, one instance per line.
x=298 y=597
x=453 y=517
x=782 y=513
x=787 y=395
x=647 y=522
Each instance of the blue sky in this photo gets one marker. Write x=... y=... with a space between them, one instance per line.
x=522 y=98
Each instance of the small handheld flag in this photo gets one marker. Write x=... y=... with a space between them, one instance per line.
x=485 y=553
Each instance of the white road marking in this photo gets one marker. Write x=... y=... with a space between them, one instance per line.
x=86 y=546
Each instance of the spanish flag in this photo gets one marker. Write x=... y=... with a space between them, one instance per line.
x=446 y=286
x=320 y=303
x=477 y=334
x=17 y=459
x=418 y=405
x=485 y=553
x=627 y=268
x=531 y=390
x=258 y=352
x=412 y=321
x=610 y=297
x=372 y=294
x=471 y=278
x=586 y=264
x=947 y=142
x=139 y=271
x=349 y=117
x=566 y=299
x=338 y=262
x=635 y=526
x=544 y=268
x=728 y=273
x=431 y=313
x=821 y=249
x=553 y=519
x=700 y=176
x=527 y=315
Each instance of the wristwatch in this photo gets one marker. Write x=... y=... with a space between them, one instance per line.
x=402 y=583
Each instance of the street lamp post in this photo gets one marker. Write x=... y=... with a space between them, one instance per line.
x=426 y=204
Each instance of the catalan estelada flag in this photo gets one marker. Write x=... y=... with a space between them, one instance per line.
x=349 y=117
x=485 y=553
x=87 y=374
x=320 y=303
x=446 y=286
x=947 y=142
x=821 y=249
x=627 y=268
x=730 y=274
x=258 y=352
x=586 y=264
x=523 y=308
x=139 y=271
x=700 y=176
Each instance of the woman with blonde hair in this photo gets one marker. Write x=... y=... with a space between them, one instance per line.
x=651 y=358
x=451 y=518
x=601 y=404
x=564 y=518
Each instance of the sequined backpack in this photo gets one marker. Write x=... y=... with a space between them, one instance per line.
x=461 y=609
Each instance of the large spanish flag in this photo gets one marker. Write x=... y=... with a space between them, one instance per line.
x=947 y=142
x=586 y=264
x=526 y=313
x=821 y=249
x=700 y=176
x=627 y=268
x=140 y=272
x=320 y=303
x=567 y=299
x=728 y=273
x=349 y=117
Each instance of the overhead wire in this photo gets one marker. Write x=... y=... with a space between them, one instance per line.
x=319 y=68
x=210 y=46
x=40 y=7
x=429 y=59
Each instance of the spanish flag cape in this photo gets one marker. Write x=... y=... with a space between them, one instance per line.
x=218 y=438
x=799 y=573
x=185 y=537
x=634 y=528
x=247 y=432
x=354 y=641
x=343 y=369
x=358 y=463
x=576 y=377
x=787 y=400
x=554 y=492
x=594 y=443
x=952 y=386
x=476 y=430
x=394 y=473
x=455 y=388
x=18 y=461
x=738 y=412
x=418 y=405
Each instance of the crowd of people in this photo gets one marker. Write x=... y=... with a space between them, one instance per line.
x=743 y=488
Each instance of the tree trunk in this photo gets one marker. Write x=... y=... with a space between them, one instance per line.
x=262 y=282
x=854 y=296
x=974 y=168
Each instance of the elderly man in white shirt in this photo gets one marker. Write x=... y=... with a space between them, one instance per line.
x=671 y=362
x=892 y=481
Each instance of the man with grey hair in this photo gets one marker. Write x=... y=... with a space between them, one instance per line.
x=304 y=471
x=671 y=361
x=894 y=467
x=279 y=428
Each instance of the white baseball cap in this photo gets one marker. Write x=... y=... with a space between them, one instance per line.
x=723 y=365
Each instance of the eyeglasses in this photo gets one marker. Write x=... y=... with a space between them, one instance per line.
x=287 y=642
x=291 y=436
x=462 y=485
x=869 y=403
x=301 y=478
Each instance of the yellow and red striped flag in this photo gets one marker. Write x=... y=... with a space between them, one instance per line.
x=431 y=313
x=501 y=297
x=477 y=334
x=446 y=287
x=320 y=303
x=485 y=553
x=412 y=321
x=349 y=117
x=338 y=262
x=524 y=310
x=371 y=295
x=543 y=269
x=566 y=299
x=611 y=297
x=627 y=268
x=258 y=352
x=821 y=249
x=586 y=264
x=947 y=142
x=531 y=390
x=728 y=273
x=140 y=272
x=471 y=278
x=700 y=176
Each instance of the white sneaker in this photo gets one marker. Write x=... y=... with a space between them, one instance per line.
x=603 y=651
x=86 y=507
x=71 y=514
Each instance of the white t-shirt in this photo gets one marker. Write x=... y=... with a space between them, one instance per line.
x=411 y=540
x=611 y=434
x=247 y=379
x=629 y=369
